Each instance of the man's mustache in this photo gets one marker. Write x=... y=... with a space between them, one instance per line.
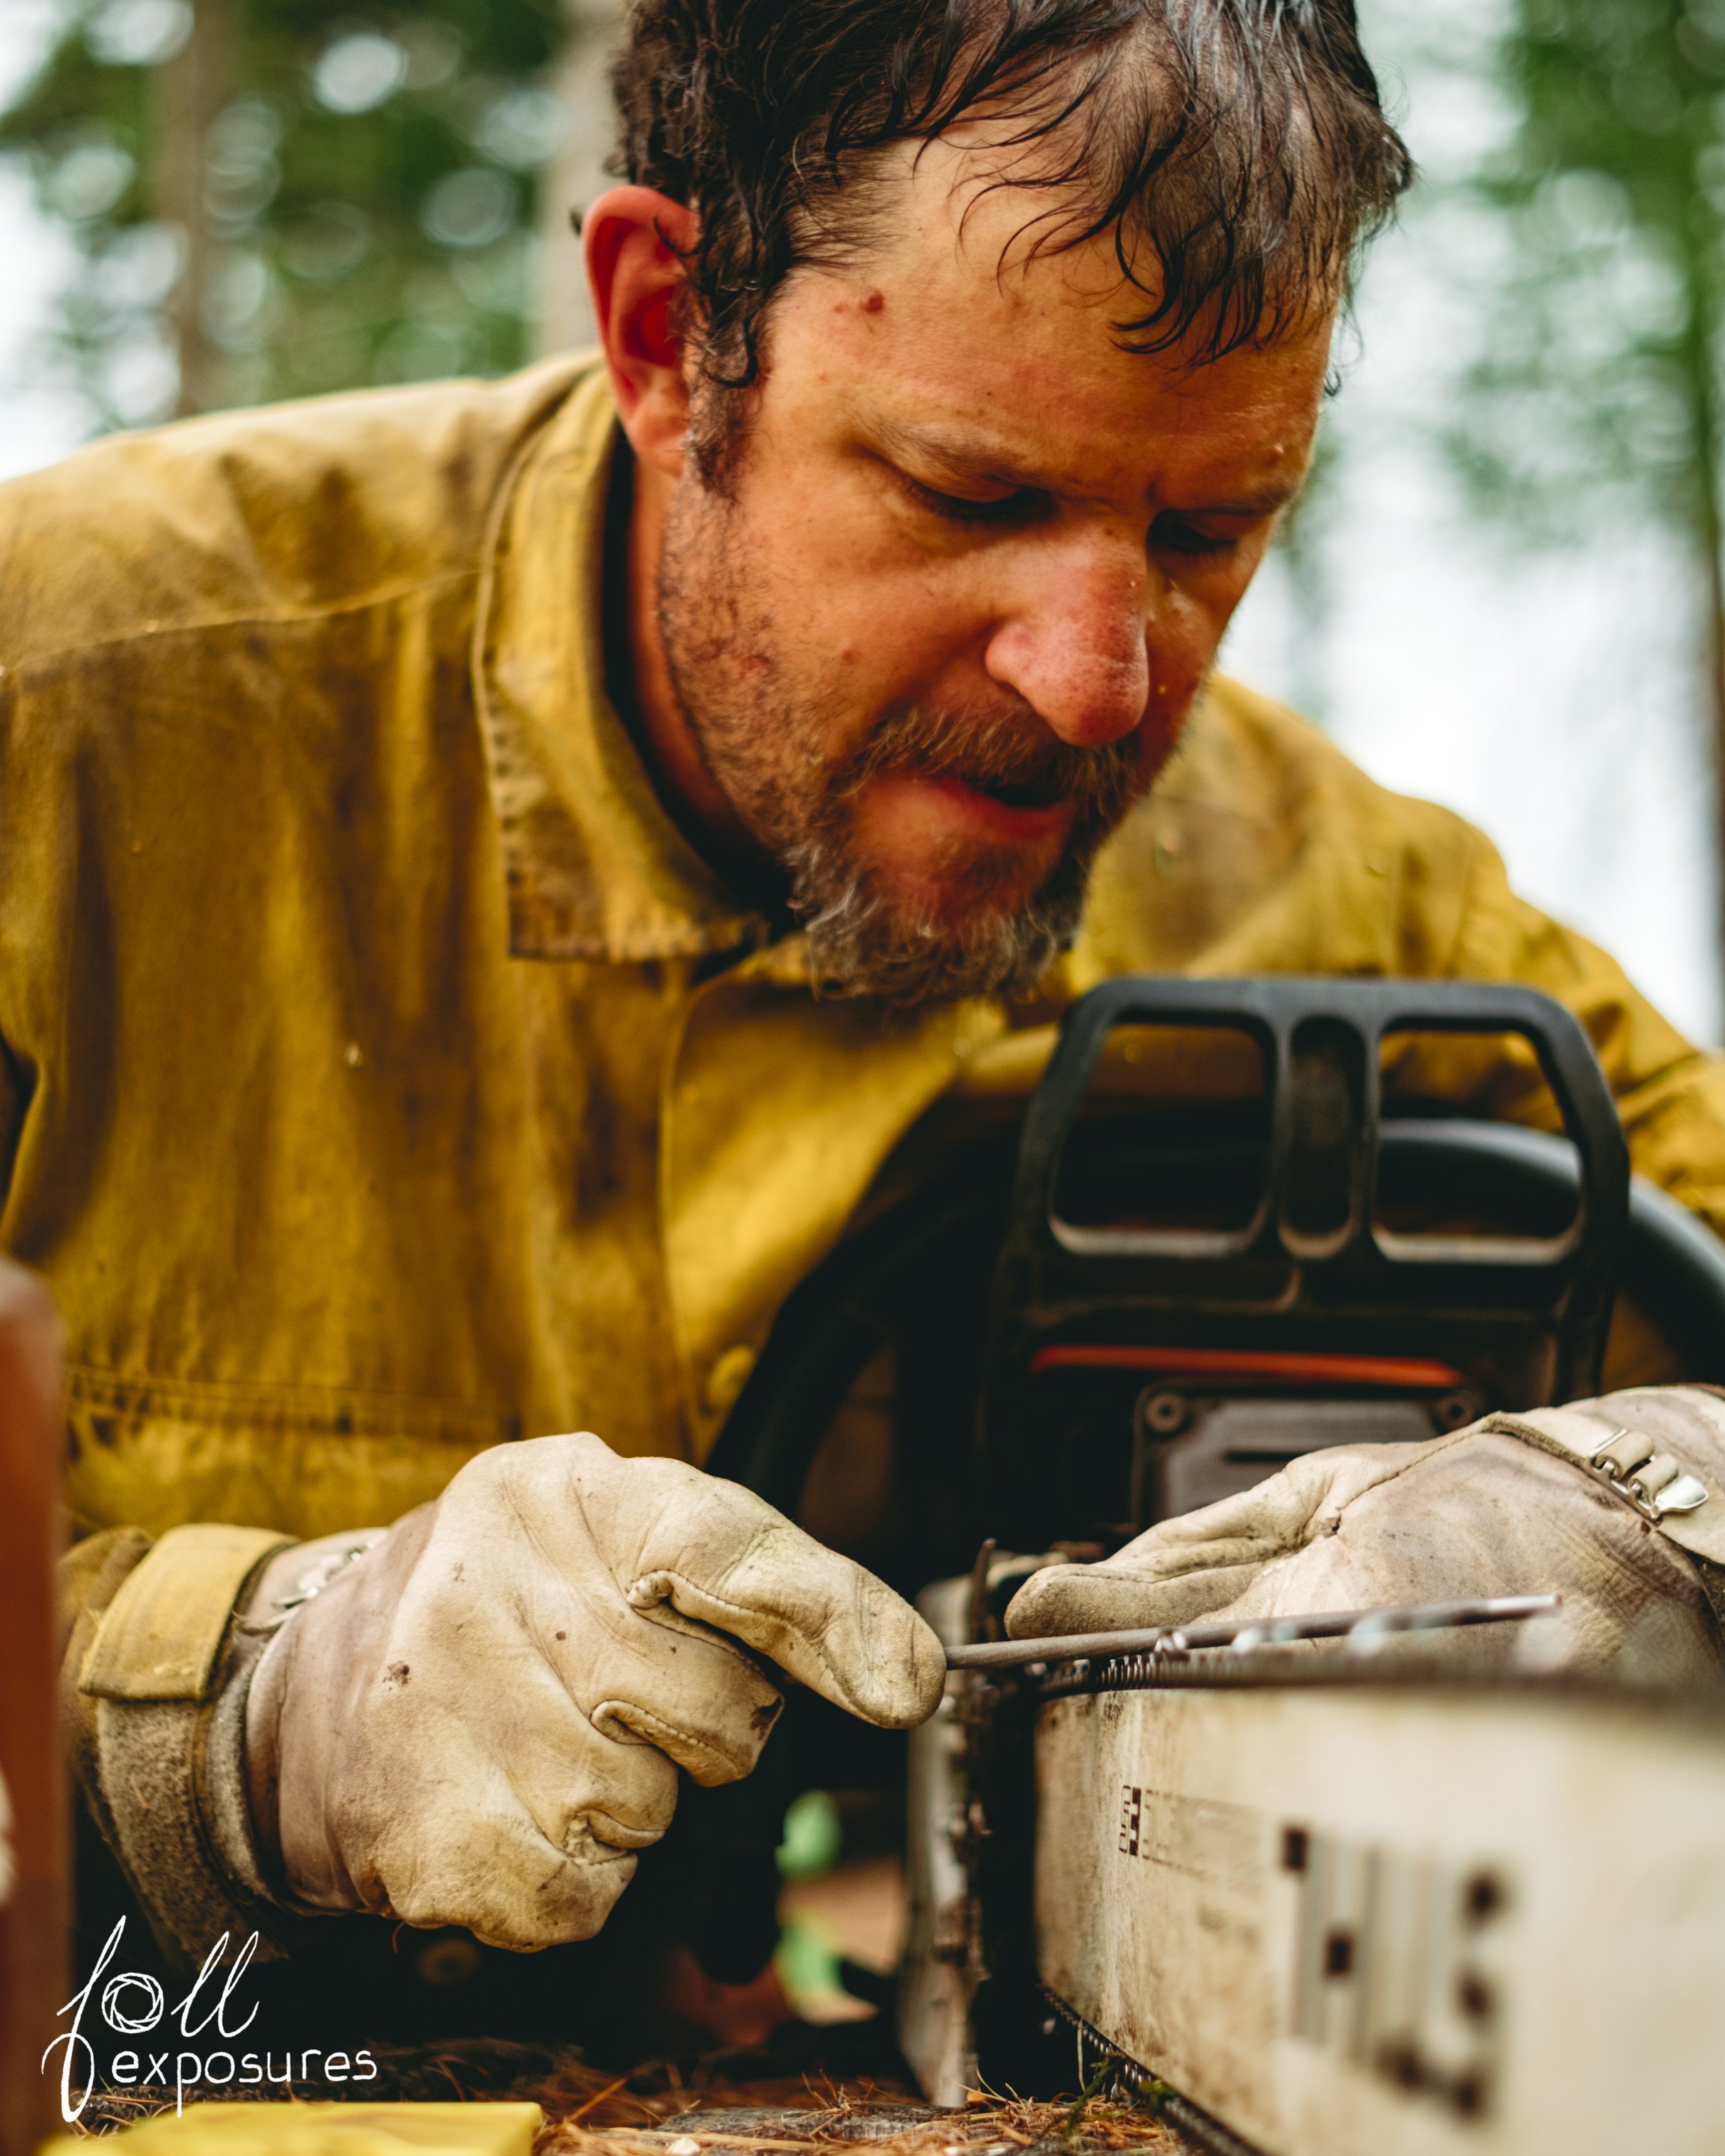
x=1011 y=754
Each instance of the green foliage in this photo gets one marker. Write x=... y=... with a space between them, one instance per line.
x=813 y=1836
x=1600 y=380
x=1073 y=2125
x=807 y=1964
x=356 y=204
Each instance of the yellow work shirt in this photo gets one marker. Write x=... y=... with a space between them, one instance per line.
x=383 y=1074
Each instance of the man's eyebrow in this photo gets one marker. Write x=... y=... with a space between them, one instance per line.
x=1264 y=501
x=974 y=455
x=977 y=456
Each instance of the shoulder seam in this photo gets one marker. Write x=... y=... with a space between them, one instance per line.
x=388 y=595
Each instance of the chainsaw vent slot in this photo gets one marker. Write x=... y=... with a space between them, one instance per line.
x=1174 y=1136
x=1323 y=1184
x=1498 y=1207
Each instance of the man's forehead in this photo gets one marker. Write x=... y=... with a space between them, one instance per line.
x=953 y=337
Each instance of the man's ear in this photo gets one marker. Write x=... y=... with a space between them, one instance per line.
x=635 y=239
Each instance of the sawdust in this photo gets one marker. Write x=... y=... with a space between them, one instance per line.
x=824 y=2118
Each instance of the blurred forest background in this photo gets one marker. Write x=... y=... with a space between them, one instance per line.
x=1503 y=589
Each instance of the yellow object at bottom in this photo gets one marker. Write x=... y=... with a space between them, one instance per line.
x=328 y=2129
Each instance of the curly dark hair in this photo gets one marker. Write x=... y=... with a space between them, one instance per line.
x=1243 y=141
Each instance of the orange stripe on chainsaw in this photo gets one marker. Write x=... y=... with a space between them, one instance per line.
x=1250 y=1363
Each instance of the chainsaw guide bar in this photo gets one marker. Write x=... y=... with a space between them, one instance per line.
x=1389 y=1917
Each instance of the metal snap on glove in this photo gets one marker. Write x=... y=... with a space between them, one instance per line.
x=1516 y=1504
x=479 y=1720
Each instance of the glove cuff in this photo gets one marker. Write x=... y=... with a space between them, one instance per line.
x=1661 y=1449
x=168 y=1670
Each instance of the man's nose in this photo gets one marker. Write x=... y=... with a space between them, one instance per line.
x=1072 y=640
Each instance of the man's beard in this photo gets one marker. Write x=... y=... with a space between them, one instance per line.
x=756 y=744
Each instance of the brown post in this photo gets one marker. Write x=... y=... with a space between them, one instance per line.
x=34 y=1911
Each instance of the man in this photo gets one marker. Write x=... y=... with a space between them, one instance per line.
x=496 y=875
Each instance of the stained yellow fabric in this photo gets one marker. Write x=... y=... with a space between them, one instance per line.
x=383 y=1075
x=328 y=2129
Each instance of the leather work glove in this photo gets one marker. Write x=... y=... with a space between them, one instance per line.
x=1513 y=1504
x=479 y=1720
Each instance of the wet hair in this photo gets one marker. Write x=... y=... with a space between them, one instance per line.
x=1241 y=142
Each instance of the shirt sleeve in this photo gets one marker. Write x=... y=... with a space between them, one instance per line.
x=1670 y=1094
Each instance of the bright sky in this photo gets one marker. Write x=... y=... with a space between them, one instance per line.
x=1553 y=700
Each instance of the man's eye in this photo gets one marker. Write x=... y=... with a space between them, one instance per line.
x=1174 y=535
x=962 y=509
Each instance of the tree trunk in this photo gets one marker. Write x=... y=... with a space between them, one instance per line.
x=1716 y=702
x=572 y=181
x=190 y=90
x=1699 y=359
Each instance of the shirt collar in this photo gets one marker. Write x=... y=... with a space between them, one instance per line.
x=594 y=865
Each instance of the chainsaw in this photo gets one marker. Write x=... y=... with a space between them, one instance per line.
x=1309 y=1899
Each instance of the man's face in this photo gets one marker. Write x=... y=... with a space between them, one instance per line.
x=943 y=620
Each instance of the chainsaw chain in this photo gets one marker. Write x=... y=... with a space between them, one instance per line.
x=1133 y=2082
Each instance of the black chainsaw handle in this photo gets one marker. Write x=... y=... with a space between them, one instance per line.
x=1321 y=1042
